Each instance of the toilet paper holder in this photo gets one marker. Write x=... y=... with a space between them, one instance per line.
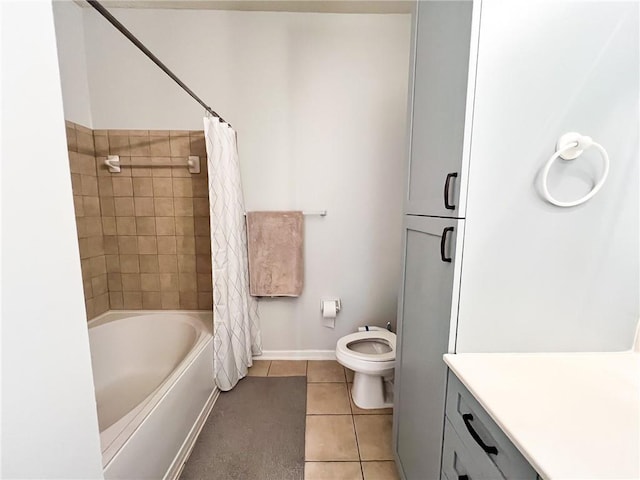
x=337 y=302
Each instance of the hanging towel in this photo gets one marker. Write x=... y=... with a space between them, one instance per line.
x=276 y=266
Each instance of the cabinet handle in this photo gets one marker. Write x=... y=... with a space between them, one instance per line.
x=447 y=184
x=468 y=418
x=463 y=477
x=443 y=244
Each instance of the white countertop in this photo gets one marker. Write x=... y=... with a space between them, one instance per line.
x=572 y=415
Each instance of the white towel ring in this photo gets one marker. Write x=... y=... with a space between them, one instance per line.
x=569 y=147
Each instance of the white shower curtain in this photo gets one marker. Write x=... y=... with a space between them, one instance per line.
x=236 y=334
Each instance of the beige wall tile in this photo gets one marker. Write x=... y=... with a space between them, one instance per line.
x=169 y=282
x=189 y=300
x=132 y=300
x=180 y=146
x=142 y=187
x=122 y=186
x=91 y=206
x=147 y=245
x=101 y=304
x=85 y=266
x=109 y=227
x=203 y=263
x=374 y=436
x=162 y=187
x=127 y=244
x=148 y=263
x=187 y=282
x=89 y=185
x=205 y=301
x=185 y=244
x=203 y=245
x=151 y=300
x=146 y=225
x=170 y=300
x=200 y=187
x=329 y=437
x=183 y=207
x=162 y=168
x=105 y=186
x=113 y=263
x=99 y=284
x=92 y=226
x=150 y=282
x=168 y=263
x=88 y=289
x=205 y=282
x=119 y=144
x=182 y=187
x=129 y=264
x=72 y=143
x=95 y=246
x=126 y=226
x=200 y=207
x=124 y=206
x=114 y=282
x=101 y=143
x=186 y=263
x=167 y=245
x=115 y=301
x=197 y=145
x=85 y=143
x=332 y=471
x=163 y=207
x=144 y=206
x=185 y=226
x=202 y=226
x=165 y=225
x=131 y=282
x=87 y=164
x=139 y=144
x=89 y=308
x=159 y=146
x=98 y=265
x=78 y=206
x=76 y=183
x=110 y=244
x=107 y=206
x=180 y=170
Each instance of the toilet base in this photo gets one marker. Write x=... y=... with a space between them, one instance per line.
x=371 y=391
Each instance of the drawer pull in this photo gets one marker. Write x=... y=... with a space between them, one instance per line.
x=463 y=477
x=468 y=418
x=447 y=185
x=443 y=244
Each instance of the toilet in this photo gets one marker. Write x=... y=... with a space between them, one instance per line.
x=371 y=355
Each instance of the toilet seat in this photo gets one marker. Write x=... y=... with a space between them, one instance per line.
x=374 y=335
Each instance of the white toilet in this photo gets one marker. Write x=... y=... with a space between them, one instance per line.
x=371 y=355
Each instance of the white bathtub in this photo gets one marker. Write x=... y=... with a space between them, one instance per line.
x=153 y=376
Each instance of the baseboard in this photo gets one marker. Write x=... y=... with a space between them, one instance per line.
x=183 y=455
x=297 y=355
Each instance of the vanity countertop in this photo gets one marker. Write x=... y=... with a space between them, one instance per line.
x=572 y=415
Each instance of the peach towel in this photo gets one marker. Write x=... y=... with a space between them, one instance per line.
x=276 y=266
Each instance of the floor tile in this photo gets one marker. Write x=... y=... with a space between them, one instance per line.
x=260 y=368
x=367 y=411
x=332 y=471
x=380 y=471
x=325 y=371
x=330 y=438
x=349 y=373
x=288 y=368
x=327 y=398
x=374 y=436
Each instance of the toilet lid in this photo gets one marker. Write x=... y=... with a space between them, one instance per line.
x=378 y=339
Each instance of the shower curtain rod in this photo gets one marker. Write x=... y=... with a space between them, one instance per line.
x=120 y=27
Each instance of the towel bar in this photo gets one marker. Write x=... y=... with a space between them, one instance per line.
x=321 y=213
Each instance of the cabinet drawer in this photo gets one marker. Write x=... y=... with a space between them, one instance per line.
x=457 y=462
x=469 y=419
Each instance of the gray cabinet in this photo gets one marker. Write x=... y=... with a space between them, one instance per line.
x=438 y=108
x=474 y=445
x=430 y=261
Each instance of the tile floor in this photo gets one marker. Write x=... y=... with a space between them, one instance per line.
x=342 y=441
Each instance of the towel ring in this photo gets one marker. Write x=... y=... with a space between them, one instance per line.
x=569 y=147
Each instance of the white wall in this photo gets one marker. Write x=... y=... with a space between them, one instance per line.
x=319 y=104
x=72 y=58
x=536 y=277
x=49 y=422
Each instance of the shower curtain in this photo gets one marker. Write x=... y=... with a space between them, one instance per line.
x=236 y=334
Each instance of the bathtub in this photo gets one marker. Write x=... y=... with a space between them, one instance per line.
x=153 y=378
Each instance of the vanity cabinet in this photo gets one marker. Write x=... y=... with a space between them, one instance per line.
x=440 y=75
x=474 y=446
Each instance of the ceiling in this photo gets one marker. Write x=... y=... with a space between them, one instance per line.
x=314 y=6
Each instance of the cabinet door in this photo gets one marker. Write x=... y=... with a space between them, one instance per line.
x=424 y=326
x=441 y=68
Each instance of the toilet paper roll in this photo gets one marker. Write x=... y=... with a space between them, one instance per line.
x=329 y=312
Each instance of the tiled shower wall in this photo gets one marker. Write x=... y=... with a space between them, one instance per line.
x=154 y=221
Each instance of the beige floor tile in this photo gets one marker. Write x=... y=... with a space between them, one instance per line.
x=325 y=371
x=332 y=471
x=380 y=471
x=288 y=368
x=349 y=373
x=330 y=438
x=367 y=411
x=327 y=398
x=374 y=436
x=260 y=368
